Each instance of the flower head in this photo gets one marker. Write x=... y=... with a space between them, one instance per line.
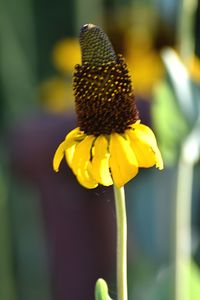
x=109 y=144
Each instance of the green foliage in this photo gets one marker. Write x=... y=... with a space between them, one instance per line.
x=162 y=288
x=101 y=290
x=170 y=124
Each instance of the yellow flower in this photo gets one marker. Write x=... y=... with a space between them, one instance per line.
x=194 y=68
x=109 y=145
x=56 y=94
x=66 y=54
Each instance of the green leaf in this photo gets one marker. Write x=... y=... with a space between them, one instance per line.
x=101 y=290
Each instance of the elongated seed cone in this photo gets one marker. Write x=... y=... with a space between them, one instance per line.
x=104 y=97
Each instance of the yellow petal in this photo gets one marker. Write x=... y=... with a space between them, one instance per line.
x=62 y=148
x=145 y=132
x=148 y=151
x=58 y=156
x=75 y=135
x=143 y=152
x=100 y=162
x=123 y=162
x=81 y=162
x=69 y=154
x=82 y=152
x=66 y=147
x=84 y=176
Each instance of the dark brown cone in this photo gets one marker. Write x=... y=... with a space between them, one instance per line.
x=104 y=98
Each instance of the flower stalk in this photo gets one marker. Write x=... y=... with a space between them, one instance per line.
x=121 y=243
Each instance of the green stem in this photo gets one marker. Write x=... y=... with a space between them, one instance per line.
x=121 y=243
x=182 y=230
x=185 y=29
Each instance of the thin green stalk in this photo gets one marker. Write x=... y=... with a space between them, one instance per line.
x=185 y=29
x=183 y=201
x=182 y=214
x=182 y=231
x=121 y=243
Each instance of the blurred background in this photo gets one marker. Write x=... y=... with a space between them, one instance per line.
x=57 y=238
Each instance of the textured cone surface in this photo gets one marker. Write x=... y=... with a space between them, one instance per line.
x=104 y=96
x=95 y=46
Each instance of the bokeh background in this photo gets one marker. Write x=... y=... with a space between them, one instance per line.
x=57 y=238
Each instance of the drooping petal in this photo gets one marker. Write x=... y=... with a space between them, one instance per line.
x=69 y=154
x=82 y=152
x=84 y=176
x=58 y=156
x=144 y=144
x=68 y=143
x=81 y=162
x=123 y=162
x=143 y=152
x=76 y=135
x=100 y=162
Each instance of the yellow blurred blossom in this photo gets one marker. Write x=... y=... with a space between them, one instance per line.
x=56 y=94
x=194 y=68
x=65 y=54
x=144 y=62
